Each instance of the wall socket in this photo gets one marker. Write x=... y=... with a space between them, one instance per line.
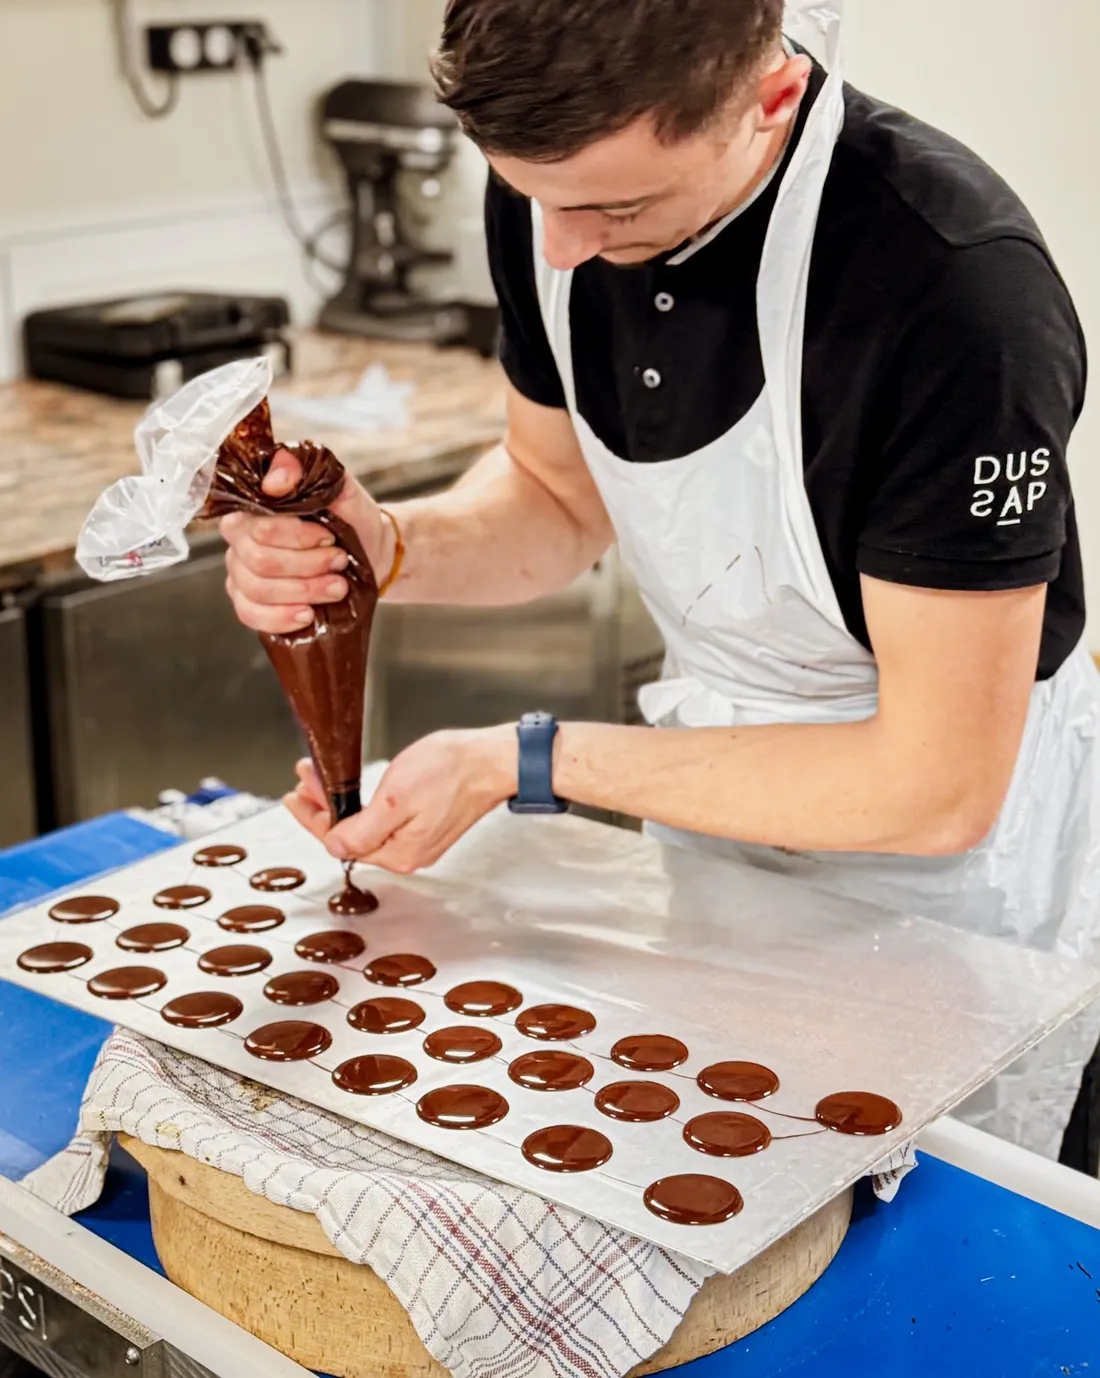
x=218 y=46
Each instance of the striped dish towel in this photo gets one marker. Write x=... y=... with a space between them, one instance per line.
x=496 y=1280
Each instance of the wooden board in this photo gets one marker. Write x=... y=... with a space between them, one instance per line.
x=273 y=1271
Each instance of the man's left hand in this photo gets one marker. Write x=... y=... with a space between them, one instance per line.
x=431 y=794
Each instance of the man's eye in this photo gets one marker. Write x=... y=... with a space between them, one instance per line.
x=622 y=218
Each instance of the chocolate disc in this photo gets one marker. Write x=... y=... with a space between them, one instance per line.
x=727 y=1134
x=127 y=983
x=181 y=897
x=153 y=937
x=567 y=1148
x=649 y=1053
x=85 y=909
x=374 y=1074
x=50 y=958
x=386 y=1015
x=291 y=1040
x=462 y=1107
x=352 y=900
x=858 y=1112
x=551 y=1071
x=301 y=988
x=220 y=854
x=251 y=918
x=461 y=1043
x=204 y=1009
x=637 y=1101
x=738 y=1081
x=553 y=1022
x=236 y=959
x=693 y=1199
x=483 y=999
x=278 y=878
x=400 y=969
x=333 y=945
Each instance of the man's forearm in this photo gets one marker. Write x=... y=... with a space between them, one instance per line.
x=497 y=537
x=825 y=787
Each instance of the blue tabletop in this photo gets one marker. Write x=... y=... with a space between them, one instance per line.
x=957 y=1276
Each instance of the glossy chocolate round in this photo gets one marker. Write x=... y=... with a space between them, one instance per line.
x=302 y=988
x=483 y=999
x=277 y=878
x=85 y=909
x=858 y=1112
x=333 y=945
x=374 y=1074
x=385 y=1015
x=47 y=959
x=153 y=937
x=399 y=969
x=649 y=1053
x=551 y=1071
x=462 y=1107
x=219 y=854
x=738 y=1081
x=290 y=1040
x=567 y=1148
x=127 y=983
x=691 y=1198
x=235 y=959
x=551 y=1023
x=251 y=918
x=203 y=1009
x=637 y=1102
x=727 y=1134
x=462 y=1043
x=181 y=897
x=352 y=900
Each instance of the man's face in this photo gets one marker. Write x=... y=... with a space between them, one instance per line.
x=629 y=198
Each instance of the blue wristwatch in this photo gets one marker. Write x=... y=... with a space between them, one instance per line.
x=536 y=732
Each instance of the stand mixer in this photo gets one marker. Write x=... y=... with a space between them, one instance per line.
x=382 y=130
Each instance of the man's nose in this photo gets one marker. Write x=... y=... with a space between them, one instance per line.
x=567 y=241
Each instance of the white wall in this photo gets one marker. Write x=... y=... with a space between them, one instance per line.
x=97 y=199
x=1017 y=82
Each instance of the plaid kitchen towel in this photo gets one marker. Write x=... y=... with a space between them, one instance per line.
x=496 y=1280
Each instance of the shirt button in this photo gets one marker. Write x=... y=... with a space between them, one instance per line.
x=651 y=378
x=664 y=301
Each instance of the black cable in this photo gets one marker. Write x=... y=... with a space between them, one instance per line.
x=147 y=104
x=308 y=239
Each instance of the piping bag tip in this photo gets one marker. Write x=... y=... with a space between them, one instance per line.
x=346 y=804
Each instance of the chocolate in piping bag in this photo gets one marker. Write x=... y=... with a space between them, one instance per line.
x=323 y=667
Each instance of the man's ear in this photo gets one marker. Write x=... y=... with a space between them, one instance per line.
x=780 y=92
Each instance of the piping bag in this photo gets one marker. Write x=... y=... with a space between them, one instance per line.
x=323 y=667
x=204 y=453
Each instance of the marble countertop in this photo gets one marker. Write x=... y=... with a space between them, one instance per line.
x=60 y=447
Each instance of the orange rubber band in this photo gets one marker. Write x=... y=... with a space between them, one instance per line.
x=398 y=556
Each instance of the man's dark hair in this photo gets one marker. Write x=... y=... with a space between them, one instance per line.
x=542 y=79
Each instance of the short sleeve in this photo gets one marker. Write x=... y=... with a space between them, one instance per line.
x=524 y=348
x=970 y=486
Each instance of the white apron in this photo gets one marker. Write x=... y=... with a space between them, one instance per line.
x=724 y=549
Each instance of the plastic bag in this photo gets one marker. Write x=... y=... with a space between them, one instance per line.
x=139 y=523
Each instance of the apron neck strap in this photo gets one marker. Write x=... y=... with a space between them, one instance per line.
x=817 y=25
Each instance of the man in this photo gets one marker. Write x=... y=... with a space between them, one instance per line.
x=809 y=363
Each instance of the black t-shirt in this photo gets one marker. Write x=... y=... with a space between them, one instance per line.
x=943 y=367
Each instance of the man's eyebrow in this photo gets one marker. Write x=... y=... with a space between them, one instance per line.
x=619 y=205
x=639 y=201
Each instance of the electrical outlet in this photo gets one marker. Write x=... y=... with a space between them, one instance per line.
x=217 y=46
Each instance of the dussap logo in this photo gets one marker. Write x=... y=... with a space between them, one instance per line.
x=1008 y=488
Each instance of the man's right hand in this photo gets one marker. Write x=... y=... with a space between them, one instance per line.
x=280 y=567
